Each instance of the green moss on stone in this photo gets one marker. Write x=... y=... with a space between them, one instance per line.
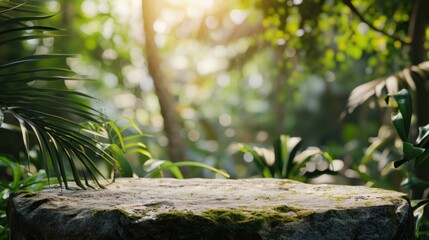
x=222 y=223
x=283 y=182
x=299 y=213
x=284 y=209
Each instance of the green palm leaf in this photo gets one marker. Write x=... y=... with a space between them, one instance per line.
x=54 y=118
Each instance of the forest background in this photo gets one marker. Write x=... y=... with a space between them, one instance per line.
x=221 y=83
x=203 y=77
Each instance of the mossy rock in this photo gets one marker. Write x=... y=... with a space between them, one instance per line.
x=212 y=209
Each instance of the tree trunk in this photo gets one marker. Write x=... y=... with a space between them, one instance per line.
x=418 y=23
x=172 y=129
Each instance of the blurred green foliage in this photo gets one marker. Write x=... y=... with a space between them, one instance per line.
x=286 y=160
x=18 y=179
x=245 y=72
x=413 y=154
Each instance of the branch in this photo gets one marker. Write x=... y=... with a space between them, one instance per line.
x=362 y=18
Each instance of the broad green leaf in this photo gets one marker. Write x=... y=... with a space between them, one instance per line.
x=280 y=152
x=259 y=161
x=293 y=144
x=133 y=138
x=369 y=152
x=302 y=159
x=133 y=123
x=155 y=168
x=328 y=157
x=423 y=138
x=266 y=173
x=411 y=152
x=152 y=164
x=168 y=165
x=140 y=151
x=192 y=164
x=14 y=167
x=122 y=163
x=117 y=137
x=135 y=145
x=402 y=119
x=35 y=181
x=399 y=123
x=285 y=149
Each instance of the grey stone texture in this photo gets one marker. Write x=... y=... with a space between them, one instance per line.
x=212 y=209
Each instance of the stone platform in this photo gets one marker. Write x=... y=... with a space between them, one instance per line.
x=212 y=209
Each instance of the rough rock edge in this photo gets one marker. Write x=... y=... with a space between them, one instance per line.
x=211 y=224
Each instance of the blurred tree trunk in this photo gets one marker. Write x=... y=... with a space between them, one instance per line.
x=417 y=29
x=172 y=129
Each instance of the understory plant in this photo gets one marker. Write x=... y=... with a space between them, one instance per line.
x=19 y=178
x=125 y=144
x=73 y=140
x=71 y=136
x=35 y=104
x=414 y=153
x=34 y=98
x=287 y=160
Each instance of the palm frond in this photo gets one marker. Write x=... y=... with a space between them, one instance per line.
x=54 y=118
x=390 y=85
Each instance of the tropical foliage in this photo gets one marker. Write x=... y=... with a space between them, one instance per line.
x=236 y=72
x=286 y=160
x=21 y=179
x=414 y=154
x=245 y=71
x=49 y=116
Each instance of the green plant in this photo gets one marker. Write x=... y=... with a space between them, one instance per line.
x=401 y=119
x=123 y=142
x=413 y=152
x=18 y=178
x=286 y=160
x=50 y=116
x=156 y=167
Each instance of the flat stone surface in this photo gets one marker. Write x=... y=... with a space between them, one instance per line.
x=212 y=209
